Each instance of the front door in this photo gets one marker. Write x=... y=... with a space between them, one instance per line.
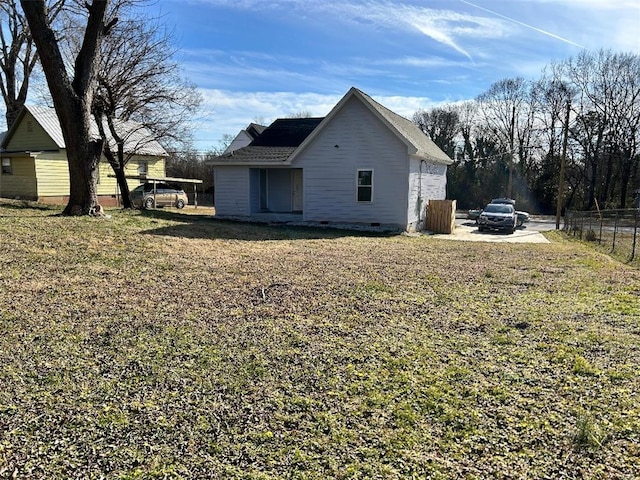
x=296 y=190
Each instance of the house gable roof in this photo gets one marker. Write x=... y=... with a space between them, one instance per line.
x=255 y=129
x=425 y=147
x=290 y=137
x=418 y=143
x=245 y=137
x=275 y=144
x=138 y=139
x=46 y=119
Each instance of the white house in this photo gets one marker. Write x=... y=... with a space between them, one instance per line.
x=361 y=164
x=245 y=137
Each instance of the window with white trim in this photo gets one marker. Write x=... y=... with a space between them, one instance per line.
x=143 y=170
x=365 y=186
x=6 y=166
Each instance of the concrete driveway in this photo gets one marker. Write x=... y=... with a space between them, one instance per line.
x=466 y=230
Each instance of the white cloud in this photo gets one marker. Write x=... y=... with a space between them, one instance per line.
x=406 y=48
x=231 y=111
x=422 y=62
x=566 y=21
x=626 y=35
x=404 y=106
x=444 y=26
x=526 y=25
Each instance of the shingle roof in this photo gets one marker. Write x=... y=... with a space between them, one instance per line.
x=410 y=131
x=254 y=129
x=256 y=155
x=275 y=144
x=138 y=139
x=286 y=132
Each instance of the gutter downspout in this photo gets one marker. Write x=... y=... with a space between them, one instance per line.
x=421 y=211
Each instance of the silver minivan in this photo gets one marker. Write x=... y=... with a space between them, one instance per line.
x=164 y=195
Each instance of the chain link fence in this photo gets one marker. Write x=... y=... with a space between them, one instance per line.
x=615 y=230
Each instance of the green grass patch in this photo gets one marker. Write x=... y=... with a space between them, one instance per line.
x=170 y=345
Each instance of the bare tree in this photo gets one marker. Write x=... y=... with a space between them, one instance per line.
x=300 y=114
x=602 y=130
x=608 y=122
x=139 y=87
x=72 y=95
x=18 y=55
x=550 y=96
x=506 y=109
x=441 y=125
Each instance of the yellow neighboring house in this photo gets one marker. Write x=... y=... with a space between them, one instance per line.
x=34 y=160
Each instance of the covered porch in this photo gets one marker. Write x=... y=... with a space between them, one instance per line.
x=276 y=193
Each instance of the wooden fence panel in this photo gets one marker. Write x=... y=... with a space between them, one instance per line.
x=441 y=216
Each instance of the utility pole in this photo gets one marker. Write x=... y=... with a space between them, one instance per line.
x=563 y=167
x=511 y=141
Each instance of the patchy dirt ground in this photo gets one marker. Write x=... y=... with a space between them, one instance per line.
x=469 y=233
x=165 y=345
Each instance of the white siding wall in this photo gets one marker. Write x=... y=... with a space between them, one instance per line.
x=427 y=181
x=363 y=142
x=241 y=140
x=231 y=190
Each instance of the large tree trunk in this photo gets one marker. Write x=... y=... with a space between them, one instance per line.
x=72 y=98
x=83 y=155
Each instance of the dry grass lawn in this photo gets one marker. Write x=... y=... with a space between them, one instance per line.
x=167 y=345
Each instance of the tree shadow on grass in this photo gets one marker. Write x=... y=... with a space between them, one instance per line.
x=195 y=226
x=23 y=206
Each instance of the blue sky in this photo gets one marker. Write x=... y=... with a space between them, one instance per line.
x=257 y=60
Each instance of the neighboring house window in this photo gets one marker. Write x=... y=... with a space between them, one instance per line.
x=143 y=170
x=365 y=185
x=6 y=166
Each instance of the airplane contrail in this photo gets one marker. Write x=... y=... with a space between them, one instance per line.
x=553 y=35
